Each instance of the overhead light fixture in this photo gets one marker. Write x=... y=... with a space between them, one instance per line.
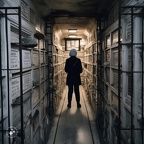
x=72 y=36
x=72 y=30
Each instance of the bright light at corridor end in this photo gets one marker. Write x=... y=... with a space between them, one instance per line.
x=72 y=30
x=72 y=36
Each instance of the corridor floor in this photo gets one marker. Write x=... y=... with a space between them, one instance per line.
x=74 y=126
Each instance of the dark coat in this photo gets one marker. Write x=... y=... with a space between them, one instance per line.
x=73 y=73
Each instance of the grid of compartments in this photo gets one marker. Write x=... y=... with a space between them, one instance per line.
x=130 y=78
x=34 y=77
x=58 y=82
x=35 y=83
x=90 y=73
x=110 y=77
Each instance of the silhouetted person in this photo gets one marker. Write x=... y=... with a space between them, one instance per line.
x=73 y=68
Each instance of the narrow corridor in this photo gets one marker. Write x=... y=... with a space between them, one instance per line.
x=74 y=126
x=36 y=37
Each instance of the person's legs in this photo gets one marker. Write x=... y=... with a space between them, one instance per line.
x=70 y=91
x=77 y=94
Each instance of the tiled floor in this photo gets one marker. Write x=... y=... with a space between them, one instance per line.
x=74 y=126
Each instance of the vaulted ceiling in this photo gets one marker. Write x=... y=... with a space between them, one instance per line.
x=73 y=13
x=88 y=8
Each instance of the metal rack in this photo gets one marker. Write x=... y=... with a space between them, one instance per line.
x=124 y=123
x=136 y=57
x=100 y=97
x=49 y=35
x=6 y=124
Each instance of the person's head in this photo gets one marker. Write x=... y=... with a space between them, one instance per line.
x=73 y=52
